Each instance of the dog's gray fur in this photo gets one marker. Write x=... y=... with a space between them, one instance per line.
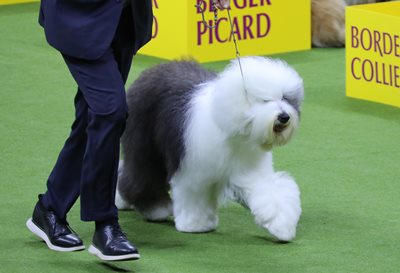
x=152 y=144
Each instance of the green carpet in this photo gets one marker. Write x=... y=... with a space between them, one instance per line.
x=345 y=159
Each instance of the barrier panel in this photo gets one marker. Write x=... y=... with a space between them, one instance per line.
x=262 y=27
x=10 y=2
x=373 y=52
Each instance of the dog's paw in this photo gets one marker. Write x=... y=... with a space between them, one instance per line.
x=281 y=229
x=276 y=206
x=159 y=212
x=283 y=220
x=195 y=225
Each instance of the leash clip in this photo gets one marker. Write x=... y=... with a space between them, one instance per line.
x=201 y=6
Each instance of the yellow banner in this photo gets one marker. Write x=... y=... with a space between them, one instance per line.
x=262 y=27
x=10 y=2
x=373 y=52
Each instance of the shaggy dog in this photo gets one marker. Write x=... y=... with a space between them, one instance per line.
x=207 y=137
x=328 y=21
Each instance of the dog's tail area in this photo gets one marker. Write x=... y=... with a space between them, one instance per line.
x=120 y=168
x=122 y=179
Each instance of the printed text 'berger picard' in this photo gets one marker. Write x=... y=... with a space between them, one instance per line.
x=246 y=27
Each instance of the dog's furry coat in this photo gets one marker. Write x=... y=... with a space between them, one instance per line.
x=328 y=21
x=205 y=136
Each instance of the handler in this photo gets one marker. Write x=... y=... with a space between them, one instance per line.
x=97 y=39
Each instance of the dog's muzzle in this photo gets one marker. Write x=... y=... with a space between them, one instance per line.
x=282 y=122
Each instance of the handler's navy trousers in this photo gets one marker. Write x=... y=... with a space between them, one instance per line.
x=87 y=165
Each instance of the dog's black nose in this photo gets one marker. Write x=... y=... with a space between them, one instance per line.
x=283 y=118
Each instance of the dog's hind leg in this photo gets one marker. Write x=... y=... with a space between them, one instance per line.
x=142 y=184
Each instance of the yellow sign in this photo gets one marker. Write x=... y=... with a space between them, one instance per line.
x=8 y=2
x=262 y=27
x=373 y=52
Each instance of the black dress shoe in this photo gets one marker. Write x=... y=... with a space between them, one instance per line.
x=111 y=244
x=56 y=233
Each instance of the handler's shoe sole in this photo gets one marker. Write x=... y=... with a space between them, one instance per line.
x=95 y=251
x=41 y=234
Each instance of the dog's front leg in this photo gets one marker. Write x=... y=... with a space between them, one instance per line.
x=274 y=200
x=194 y=205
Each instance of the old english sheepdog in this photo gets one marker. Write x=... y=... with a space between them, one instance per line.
x=194 y=138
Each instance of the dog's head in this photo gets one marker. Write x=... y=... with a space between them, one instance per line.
x=265 y=107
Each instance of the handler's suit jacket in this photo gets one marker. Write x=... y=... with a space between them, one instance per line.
x=85 y=28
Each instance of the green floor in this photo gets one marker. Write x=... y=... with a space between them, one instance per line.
x=345 y=157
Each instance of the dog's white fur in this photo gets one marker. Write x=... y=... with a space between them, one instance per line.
x=228 y=136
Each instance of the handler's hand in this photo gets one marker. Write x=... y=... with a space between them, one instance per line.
x=222 y=4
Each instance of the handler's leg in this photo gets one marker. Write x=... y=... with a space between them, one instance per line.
x=103 y=89
x=63 y=184
x=49 y=216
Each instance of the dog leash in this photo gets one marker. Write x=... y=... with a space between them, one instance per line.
x=236 y=48
x=201 y=5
